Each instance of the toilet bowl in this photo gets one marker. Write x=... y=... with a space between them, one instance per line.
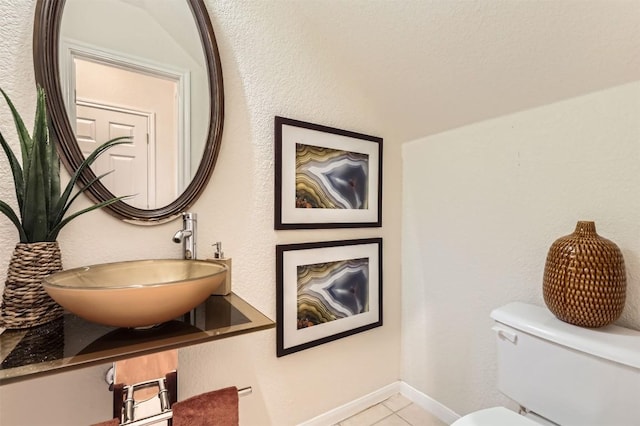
x=534 y=349
x=496 y=416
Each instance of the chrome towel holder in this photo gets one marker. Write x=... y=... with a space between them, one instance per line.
x=125 y=406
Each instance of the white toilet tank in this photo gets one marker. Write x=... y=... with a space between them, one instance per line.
x=570 y=375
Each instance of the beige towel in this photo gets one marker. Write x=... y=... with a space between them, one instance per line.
x=216 y=408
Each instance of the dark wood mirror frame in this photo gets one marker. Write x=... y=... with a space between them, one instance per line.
x=46 y=37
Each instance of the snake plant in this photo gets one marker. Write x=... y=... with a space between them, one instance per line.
x=42 y=207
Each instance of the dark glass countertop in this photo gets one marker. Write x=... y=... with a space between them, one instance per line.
x=71 y=342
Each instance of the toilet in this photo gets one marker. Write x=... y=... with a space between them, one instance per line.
x=561 y=374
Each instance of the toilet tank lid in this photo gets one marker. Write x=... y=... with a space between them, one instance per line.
x=617 y=344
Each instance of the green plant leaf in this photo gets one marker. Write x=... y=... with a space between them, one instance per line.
x=25 y=140
x=47 y=156
x=54 y=188
x=8 y=211
x=82 y=189
x=32 y=204
x=35 y=208
x=63 y=205
x=34 y=212
x=16 y=169
x=53 y=234
x=41 y=206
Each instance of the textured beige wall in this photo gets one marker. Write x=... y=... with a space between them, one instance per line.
x=400 y=70
x=270 y=68
x=483 y=204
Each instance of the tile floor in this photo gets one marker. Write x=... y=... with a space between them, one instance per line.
x=394 y=411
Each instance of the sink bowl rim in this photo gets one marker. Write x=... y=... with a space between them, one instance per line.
x=50 y=281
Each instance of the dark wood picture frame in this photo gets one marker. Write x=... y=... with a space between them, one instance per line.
x=342 y=278
x=326 y=177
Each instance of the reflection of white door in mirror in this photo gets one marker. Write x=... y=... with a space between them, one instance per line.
x=130 y=84
x=132 y=165
x=124 y=89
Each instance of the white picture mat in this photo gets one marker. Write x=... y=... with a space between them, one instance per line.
x=292 y=135
x=294 y=258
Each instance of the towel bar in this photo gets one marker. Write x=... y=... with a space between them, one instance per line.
x=150 y=420
x=245 y=391
x=163 y=394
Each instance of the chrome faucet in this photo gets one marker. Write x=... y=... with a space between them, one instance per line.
x=187 y=235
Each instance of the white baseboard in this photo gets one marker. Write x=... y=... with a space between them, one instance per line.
x=349 y=409
x=439 y=410
x=354 y=407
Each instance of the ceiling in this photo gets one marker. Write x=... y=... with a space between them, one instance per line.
x=433 y=65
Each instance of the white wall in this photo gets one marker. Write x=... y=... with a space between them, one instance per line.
x=270 y=68
x=481 y=206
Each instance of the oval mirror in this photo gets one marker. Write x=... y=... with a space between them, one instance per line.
x=144 y=69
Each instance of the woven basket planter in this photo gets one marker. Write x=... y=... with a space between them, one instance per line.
x=584 y=278
x=25 y=303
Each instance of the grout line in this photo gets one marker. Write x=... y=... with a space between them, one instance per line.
x=395 y=413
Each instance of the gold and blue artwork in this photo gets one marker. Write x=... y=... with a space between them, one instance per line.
x=328 y=178
x=325 y=291
x=331 y=291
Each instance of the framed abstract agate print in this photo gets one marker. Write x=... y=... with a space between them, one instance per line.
x=326 y=177
x=326 y=291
